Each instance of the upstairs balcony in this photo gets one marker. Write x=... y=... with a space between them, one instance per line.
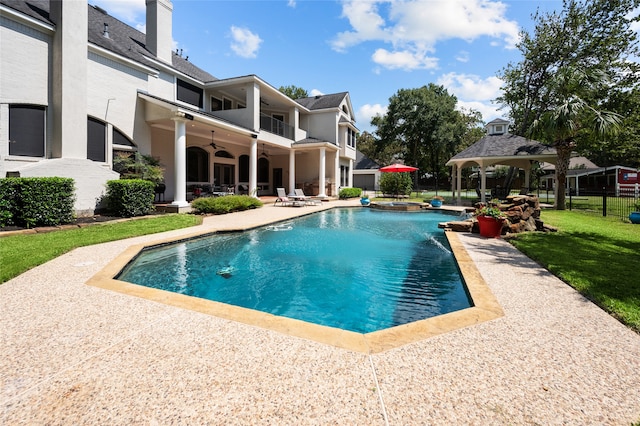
x=277 y=127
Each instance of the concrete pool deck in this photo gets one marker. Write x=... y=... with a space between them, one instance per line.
x=77 y=354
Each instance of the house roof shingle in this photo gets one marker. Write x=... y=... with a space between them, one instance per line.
x=322 y=101
x=506 y=145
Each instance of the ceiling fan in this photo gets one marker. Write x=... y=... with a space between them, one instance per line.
x=213 y=144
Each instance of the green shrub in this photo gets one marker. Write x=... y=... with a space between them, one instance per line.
x=226 y=204
x=349 y=193
x=130 y=197
x=36 y=201
x=396 y=183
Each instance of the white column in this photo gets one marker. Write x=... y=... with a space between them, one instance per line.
x=336 y=172
x=527 y=178
x=483 y=184
x=180 y=165
x=459 y=185
x=350 y=183
x=253 y=168
x=292 y=171
x=322 y=178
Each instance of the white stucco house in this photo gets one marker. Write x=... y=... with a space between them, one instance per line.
x=77 y=86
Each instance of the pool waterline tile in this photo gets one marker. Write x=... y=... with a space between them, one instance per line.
x=485 y=307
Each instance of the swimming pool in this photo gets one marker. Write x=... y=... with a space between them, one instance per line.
x=353 y=269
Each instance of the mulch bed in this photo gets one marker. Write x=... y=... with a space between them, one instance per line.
x=78 y=222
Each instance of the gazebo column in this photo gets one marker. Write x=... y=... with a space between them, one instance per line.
x=483 y=183
x=527 y=179
x=459 y=185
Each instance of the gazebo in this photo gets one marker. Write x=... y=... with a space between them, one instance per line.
x=498 y=146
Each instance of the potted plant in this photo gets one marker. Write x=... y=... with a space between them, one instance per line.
x=490 y=219
x=436 y=201
x=634 y=217
x=364 y=199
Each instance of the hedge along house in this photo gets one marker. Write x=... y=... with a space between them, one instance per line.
x=78 y=86
x=498 y=147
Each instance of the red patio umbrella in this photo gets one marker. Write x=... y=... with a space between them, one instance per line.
x=398 y=168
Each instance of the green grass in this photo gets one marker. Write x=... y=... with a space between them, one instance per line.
x=20 y=253
x=598 y=256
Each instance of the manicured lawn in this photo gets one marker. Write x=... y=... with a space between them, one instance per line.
x=20 y=253
x=600 y=257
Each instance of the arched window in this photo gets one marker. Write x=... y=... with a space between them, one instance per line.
x=223 y=154
x=263 y=170
x=96 y=139
x=197 y=164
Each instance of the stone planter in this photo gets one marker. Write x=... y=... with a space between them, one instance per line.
x=634 y=217
x=490 y=227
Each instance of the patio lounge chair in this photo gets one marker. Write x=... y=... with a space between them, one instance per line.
x=284 y=200
x=300 y=195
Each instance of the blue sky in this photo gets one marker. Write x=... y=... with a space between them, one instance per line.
x=369 y=48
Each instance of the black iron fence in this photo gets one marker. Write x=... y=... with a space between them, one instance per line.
x=618 y=202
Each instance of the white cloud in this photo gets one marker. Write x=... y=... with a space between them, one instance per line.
x=462 y=56
x=471 y=87
x=405 y=60
x=416 y=26
x=291 y=3
x=366 y=112
x=488 y=110
x=315 y=92
x=245 y=43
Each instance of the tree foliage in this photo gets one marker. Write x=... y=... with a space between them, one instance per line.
x=573 y=64
x=294 y=92
x=423 y=128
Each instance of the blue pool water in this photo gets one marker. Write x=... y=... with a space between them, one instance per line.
x=353 y=269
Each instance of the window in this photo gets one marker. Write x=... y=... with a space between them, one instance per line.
x=96 y=140
x=121 y=139
x=351 y=137
x=278 y=124
x=216 y=104
x=226 y=104
x=189 y=93
x=263 y=170
x=26 y=130
x=197 y=165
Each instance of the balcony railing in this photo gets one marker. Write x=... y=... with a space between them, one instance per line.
x=275 y=126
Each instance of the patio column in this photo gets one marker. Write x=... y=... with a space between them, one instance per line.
x=527 y=178
x=321 y=177
x=483 y=183
x=253 y=168
x=180 y=165
x=350 y=174
x=292 y=171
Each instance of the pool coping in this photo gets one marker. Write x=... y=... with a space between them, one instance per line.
x=485 y=305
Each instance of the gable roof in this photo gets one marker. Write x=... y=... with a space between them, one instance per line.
x=123 y=39
x=322 y=101
x=364 y=163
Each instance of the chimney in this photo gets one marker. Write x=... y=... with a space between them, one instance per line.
x=159 y=24
x=69 y=79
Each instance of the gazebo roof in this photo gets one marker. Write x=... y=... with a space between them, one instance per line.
x=506 y=149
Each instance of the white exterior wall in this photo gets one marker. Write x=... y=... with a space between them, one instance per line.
x=164 y=86
x=324 y=126
x=112 y=92
x=24 y=77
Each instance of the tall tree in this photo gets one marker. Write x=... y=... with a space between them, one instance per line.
x=424 y=126
x=591 y=41
x=294 y=92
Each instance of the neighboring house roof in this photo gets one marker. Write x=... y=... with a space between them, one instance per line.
x=123 y=39
x=322 y=101
x=365 y=163
x=574 y=163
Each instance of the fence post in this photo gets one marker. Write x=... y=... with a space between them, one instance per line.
x=570 y=198
x=604 y=201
